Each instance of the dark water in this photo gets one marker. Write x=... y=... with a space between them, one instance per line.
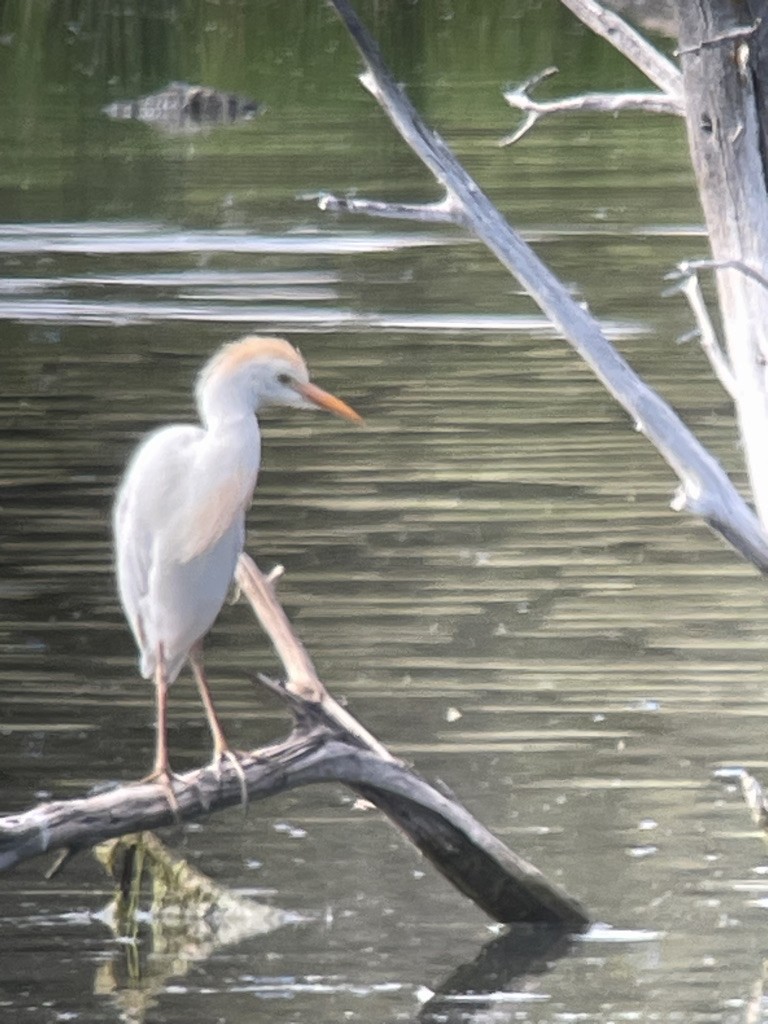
x=489 y=572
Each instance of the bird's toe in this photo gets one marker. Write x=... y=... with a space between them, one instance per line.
x=234 y=758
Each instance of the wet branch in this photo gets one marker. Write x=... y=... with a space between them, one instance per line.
x=705 y=489
x=327 y=744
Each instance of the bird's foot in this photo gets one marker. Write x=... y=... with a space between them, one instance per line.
x=233 y=757
x=164 y=777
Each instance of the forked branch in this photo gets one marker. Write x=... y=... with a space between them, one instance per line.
x=519 y=98
x=654 y=65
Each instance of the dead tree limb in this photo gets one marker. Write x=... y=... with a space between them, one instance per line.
x=442 y=212
x=654 y=65
x=721 y=89
x=710 y=345
x=326 y=745
x=477 y=863
x=705 y=490
x=519 y=98
x=301 y=678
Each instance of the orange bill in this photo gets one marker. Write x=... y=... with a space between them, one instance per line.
x=325 y=400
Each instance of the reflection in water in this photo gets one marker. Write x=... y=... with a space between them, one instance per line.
x=189 y=919
x=153 y=239
x=292 y=298
x=505 y=971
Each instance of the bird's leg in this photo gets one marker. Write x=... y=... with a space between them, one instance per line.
x=221 y=749
x=162 y=765
x=161 y=772
x=220 y=745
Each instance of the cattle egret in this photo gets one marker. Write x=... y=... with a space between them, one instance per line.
x=179 y=517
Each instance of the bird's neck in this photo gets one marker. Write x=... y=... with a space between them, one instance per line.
x=222 y=406
x=240 y=423
x=230 y=425
x=234 y=439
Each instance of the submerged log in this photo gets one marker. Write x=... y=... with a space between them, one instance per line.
x=167 y=918
x=327 y=744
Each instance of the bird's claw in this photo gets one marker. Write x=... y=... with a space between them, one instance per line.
x=232 y=757
x=165 y=777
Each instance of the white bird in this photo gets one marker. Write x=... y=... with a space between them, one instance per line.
x=179 y=517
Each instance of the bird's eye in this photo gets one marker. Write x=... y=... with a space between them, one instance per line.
x=284 y=378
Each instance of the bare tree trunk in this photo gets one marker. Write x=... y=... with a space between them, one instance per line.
x=722 y=62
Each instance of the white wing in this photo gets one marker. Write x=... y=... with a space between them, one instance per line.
x=178 y=525
x=143 y=490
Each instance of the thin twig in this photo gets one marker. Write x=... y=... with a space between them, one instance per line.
x=754 y=797
x=728 y=37
x=301 y=678
x=708 y=339
x=686 y=266
x=751 y=790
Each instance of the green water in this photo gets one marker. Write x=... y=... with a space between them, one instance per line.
x=489 y=572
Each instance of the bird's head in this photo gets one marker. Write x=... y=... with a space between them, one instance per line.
x=256 y=373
